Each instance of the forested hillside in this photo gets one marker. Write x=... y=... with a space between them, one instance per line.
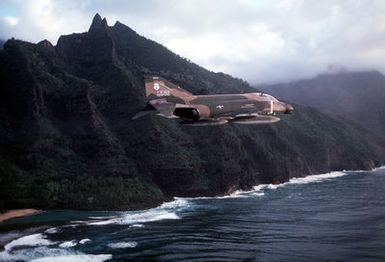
x=67 y=139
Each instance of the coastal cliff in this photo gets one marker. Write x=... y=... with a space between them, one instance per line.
x=67 y=139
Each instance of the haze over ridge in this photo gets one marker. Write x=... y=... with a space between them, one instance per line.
x=260 y=41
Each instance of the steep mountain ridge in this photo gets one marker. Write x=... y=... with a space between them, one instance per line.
x=358 y=96
x=67 y=139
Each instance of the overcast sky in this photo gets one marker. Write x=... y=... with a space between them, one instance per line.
x=261 y=41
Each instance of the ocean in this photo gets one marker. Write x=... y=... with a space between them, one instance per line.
x=339 y=216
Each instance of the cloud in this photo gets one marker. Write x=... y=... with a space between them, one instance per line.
x=259 y=40
x=10 y=21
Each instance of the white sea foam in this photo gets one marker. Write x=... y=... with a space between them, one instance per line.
x=135 y=218
x=75 y=223
x=11 y=235
x=11 y=253
x=274 y=186
x=30 y=240
x=83 y=241
x=235 y=194
x=176 y=203
x=129 y=244
x=45 y=253
x=149 y=215
x=258 y=193
x=68 y=244
x=302 y=180
x=137 y=225
x=37 y=250
x=101 y=217
x=51 y=230
x=316 y=178
x=378 y=168
x=75 y=258
x=239 y=193
x=259 y=189
x=169 y=210
x=361 y=170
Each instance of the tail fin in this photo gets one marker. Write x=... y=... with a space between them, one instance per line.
x=157 y=87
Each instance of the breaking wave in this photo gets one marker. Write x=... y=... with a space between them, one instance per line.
x=75 y=258
x=85 y=240
x=302 y=180
x=136 y=218
x=141 y=217
x=68 y=244
x=30 y=240
x=378 y=168
x=316 y=178
x=137 y=225
x=130 y=244
x=37 y=247
x=45 y=253
x=258 y=191
x=51 y=230
x=235 y=194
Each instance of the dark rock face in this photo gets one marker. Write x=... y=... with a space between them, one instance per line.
x=98 y=24
x=67 y=140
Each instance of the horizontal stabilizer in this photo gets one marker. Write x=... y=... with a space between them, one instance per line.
x=148 y=109
x=141 y=114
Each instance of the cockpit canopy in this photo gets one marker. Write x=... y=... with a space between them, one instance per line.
x=269 y=97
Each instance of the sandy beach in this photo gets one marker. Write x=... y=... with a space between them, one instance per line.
x=18 y=213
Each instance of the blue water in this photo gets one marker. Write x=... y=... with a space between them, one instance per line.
x=332 y=217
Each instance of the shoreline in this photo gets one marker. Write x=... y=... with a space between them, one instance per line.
x=15 y=213
x=229 y=194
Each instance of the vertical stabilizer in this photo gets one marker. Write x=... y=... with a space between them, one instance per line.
x=157 y=87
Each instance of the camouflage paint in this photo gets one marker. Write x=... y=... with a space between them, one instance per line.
x=166 y=97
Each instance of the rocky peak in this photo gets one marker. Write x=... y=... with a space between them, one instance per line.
x=45 y=43
x=46 y=47
x=98 y=24
x=118 y=23
x=122 y=28
x=95 y=45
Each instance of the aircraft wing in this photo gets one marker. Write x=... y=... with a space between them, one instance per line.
x=162 y=107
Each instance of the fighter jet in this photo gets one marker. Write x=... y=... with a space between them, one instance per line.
x=171 y=101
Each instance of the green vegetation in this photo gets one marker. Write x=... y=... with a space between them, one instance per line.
x=67 y=139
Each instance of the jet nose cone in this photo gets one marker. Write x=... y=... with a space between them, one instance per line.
x=289 y=109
